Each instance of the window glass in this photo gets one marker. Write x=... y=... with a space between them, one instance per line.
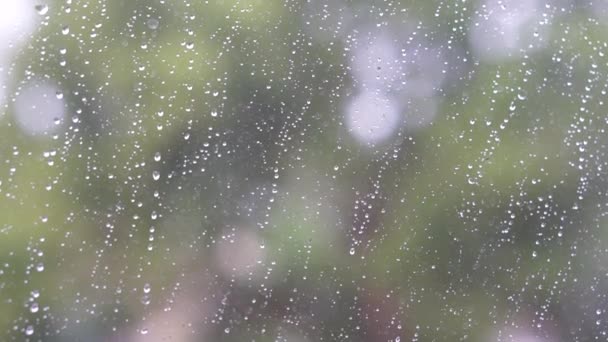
x=303 y=170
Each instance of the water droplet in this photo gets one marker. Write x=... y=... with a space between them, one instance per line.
x=42 y=9
x=144 y=331
x=190 y=45
x=227 y=330
x=352 y=251
x=157 y=156
x=152 y=23
x=40 y=267
x=34 y=307
x=155 y=175
x=65 y=30
x=59 y=95
x=214 y=113
x=29 y=330
x=147 y=288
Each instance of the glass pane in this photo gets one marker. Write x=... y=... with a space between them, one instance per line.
x=303 y=170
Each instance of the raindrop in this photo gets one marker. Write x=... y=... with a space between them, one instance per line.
x=190 y=45
x=29 y=330
x=155 y=175
x=157 y=156
x=152 y=23
x=42 y=9
x=352 y=251
x=34 y=307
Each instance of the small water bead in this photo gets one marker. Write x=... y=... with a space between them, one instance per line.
x=29 y=330
x=147 y=288
x=155 y=175
x=40 y=267
x=352 y=251
x=42 y=9
x=144 y=331
x=157 y=156
x=190 y=45
x=152 y=23
x=65 y=30
x=34 y=307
